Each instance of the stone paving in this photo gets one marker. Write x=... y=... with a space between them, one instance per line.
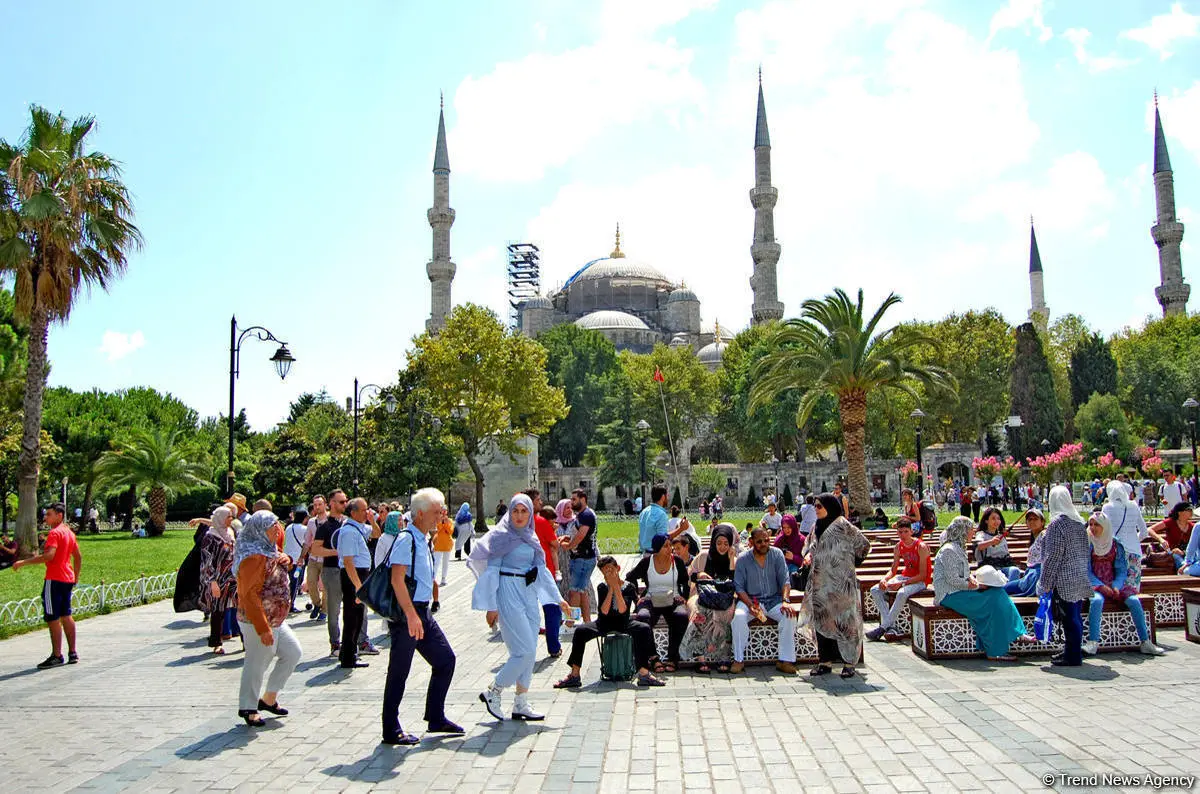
x=149 y=709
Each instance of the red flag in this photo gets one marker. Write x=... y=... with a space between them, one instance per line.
x=658 y=376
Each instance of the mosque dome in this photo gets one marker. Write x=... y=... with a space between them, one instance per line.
x=682 y=294
x=607 y=320
x=537 y=302
x=710 y=355
x=617 y=268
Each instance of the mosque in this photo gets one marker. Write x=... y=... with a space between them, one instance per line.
x=636 y=306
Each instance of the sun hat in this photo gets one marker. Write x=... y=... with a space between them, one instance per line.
x=989 y=576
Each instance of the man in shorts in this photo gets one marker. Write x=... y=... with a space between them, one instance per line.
x=63 y=562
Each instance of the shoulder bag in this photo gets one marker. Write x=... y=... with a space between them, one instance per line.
x=377 y=591
x=716 y=594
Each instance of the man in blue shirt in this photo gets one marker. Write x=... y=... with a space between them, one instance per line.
x=654 y=519
x=412 y=566
x=762 y=585
x=354 y=560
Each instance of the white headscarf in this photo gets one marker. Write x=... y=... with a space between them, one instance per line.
x=219 y=528
x=1061 y=504
x=1102 y=544
x=1126 y=519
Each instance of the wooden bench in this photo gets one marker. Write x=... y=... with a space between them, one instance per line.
x=939 y=632
x=903 y=622
x=1191 y=605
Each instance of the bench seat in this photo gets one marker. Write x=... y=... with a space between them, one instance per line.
x=903 y=621
x=939 y=632
x=1191 y=604
x=1167 y=590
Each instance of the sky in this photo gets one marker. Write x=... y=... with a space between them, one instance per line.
x=280 y=155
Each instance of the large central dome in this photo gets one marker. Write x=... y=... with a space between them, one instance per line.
x=618 y=268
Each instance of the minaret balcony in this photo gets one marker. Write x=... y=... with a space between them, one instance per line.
x=440 y=270
x=765 y=253
x=1173 y=294
x=1164 y=233
x=763 y=197
x=440 y=217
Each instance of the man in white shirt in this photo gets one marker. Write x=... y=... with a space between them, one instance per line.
x=293 y=546
x=315 y=564
x=1173 y=492
x=772 y=520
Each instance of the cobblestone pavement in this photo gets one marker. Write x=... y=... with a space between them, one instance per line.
x=149 y=709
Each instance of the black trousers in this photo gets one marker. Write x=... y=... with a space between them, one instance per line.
x=353 y=616
x=639 y=632
x=828 y=651
x=1070 y=616
x=676 y=616
x=434 y=649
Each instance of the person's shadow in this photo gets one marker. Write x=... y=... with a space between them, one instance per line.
x=213 y=745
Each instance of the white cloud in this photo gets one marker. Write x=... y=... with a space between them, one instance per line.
x=1162 y=31
x=540 y=30
x=1181 y=119
x=1094 y=63
x=116 y=345
x=1074 y=195
x=623 y=18
x=1020 y=14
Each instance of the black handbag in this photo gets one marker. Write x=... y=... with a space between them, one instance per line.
x=377 y=591
x=716 y=594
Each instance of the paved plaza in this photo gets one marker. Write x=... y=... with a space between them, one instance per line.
x=150 y=709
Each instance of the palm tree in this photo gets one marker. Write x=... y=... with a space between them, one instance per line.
x=150 y=460
x=66 y=224
x=828 y=350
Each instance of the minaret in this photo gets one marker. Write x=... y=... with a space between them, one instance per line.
x=1039 y=315
x=440 y=269
x=764 y=250
x=1168 y=232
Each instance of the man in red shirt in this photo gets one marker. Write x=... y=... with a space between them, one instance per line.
x=63 y=562
x=910 y=574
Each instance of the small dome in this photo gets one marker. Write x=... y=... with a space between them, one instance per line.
x=680 y=340
x=537 y=302
x=610 y=320
x=716 y=331
x=682 y=294
x=710 y=355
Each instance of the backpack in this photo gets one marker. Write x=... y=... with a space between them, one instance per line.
x=928 y=515
x=616 y=657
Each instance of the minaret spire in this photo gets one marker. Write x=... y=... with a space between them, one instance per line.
x=1167 y=233
x=1039 y=314
x=764 y=250
x=440 y=269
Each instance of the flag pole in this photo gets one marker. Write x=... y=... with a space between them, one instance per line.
x=658 y=377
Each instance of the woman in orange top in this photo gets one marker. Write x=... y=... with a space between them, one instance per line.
x=443 y=544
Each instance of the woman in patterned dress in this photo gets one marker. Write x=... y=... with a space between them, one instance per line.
x=832 y=604
x=709 y=635
x=218 y=587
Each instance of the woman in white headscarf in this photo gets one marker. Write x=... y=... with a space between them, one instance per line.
x=1065 y=572
x=1129 y=528
x=1109 y=573
x=513 y=581
x=218 y=588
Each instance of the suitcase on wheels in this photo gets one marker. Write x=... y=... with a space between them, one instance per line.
x=616 y=657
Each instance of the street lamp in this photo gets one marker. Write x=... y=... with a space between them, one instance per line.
x=1191 y=405
x=389 y=403
x=1015 y=423
x=1045 y=446
x=282 y=359
x=643 y=431
x=1112 y=440
x=64 y=499
x=917 y=415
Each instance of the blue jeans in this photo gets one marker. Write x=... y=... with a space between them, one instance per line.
x=1023 y=584
x=553 y=617
x=1135 y=611
x=581 y=574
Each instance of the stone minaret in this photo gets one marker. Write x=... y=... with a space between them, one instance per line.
x=1039 y=315
x=1168 y=232
x=764 y=250
x=440 y=269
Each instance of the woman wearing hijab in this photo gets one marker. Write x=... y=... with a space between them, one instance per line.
x=565 y=526
x=791 y=542
x=464 y=530
x=392 y=526
x=264 y=590
x=709 y=635
x=832 y=604
x=218 y=588
x=1065 y=555
x=1108 y=570
x=1129 y=529
x=666 y=593
x=512 y=579
x=990 y=610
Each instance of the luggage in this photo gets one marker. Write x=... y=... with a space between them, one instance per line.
x=616 y=657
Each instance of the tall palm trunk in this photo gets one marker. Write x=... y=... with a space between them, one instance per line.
x=158 y=511
x=852 y=408
x=29 y=458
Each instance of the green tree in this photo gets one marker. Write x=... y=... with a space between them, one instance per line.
x=66 y=224
x=83 y=425
x=150 y=459
x=1093 y=371
x=834 y=349
x=306 y=401
x=688 y=389
x=321 y=421
x=1033 y=398
x=1067 y=332
x=708 y=480
x=617 y=450
x=284 y=466
x=405 y=450
x=490 y=382
x=1096 y=417
x=772 y=429
x=582 y=363
x=1158 y=367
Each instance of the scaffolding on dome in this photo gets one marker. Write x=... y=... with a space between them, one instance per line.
x=524 y=278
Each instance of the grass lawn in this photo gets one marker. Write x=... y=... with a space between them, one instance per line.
x=111 y=557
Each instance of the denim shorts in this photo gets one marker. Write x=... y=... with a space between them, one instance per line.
x=581 y=574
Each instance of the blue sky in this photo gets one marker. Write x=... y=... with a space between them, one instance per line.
x=280 y=156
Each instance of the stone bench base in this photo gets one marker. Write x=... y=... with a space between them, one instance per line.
x=763 y=647
x=1191 y=603
x=941 y=633
x=1168 y=598
x=903 y=623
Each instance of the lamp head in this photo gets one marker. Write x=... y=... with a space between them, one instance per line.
x=283 y=359
x=390 y=404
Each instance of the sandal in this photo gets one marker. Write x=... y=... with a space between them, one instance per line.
x=668 y=667
x=704 y=668
x=821 y=669
x=649 y=680
x=219 y=651
x=722 y=668
x=252 y=718
x=660 y=667
x=848 y=672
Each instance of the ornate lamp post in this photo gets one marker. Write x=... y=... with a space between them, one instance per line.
x=1191 y=405
x=282 y=359
x=917 y=415
x=1112 y=441
x=390 y=404
x=643 y=431
x=778 y=492
x=1045 y=446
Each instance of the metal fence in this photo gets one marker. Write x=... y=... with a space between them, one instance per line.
x=90 y=599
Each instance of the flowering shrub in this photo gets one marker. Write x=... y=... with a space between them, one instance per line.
x=1108 y=465
x=1153 y=466
x=985 y=468
x=910 y=475
x=1069 y=459
x=1010 y=471
x=1042 y=468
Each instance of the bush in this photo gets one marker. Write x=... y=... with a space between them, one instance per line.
x=752 y=499
x=788 y=501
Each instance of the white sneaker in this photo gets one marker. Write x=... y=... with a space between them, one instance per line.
x=490 y=698
x=1091 y=647
x=523 y=711
x=1150 y=649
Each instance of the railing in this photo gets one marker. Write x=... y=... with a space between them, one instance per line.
x=87 y=599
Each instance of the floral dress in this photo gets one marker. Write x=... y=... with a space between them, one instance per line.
x=216 y=565
x=709 y=635
x=832 y=604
